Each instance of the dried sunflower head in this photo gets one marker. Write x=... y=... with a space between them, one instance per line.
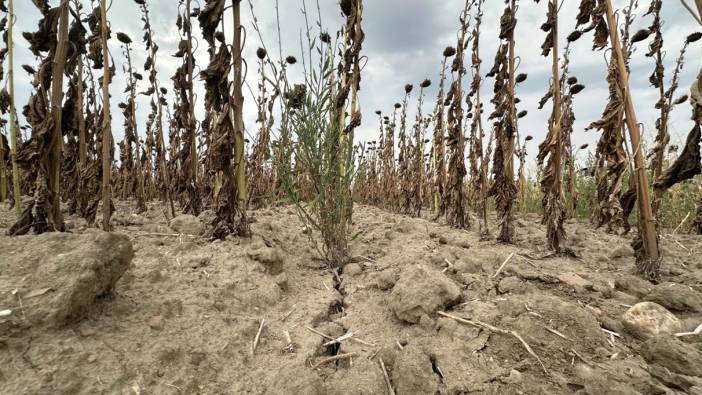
x=640 y=35
x=290 y=60
x=398 y=106
x=261 y=53
x=680 y=100
x=425 y=84
x=693 y=37
x=449 y=51
x=408 y=88
x=577 y=88
x=325 y=37
x=123 y=38
x=572 y=80
x=574 y=36
x=347 y=6
x=521 y=78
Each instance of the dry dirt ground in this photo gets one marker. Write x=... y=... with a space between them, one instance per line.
x=184 y=317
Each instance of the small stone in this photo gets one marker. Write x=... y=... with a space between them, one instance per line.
x=621 y=252
x=575 y=281
x=515 y=377
x=512 y=284
x=271 y=258
x=198 y=262
x=92 y=358
x=426 y=322
x=156 y=322
x=647 y=319
x=353 y=269
x=468 y=265
x=633 y=285
x=281 y=280
x=386 y=280
x=187 y=224
x=87 y=332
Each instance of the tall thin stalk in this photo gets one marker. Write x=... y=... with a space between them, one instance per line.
x=438 y=145
x=238 y=97
x=479 y=176
x=106 y=121
x=14 y=132
x=646 y=245
x=456 y=213
x=503 y=188
x=551 y=185
x=59 y=62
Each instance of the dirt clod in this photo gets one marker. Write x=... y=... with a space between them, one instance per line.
x=188 y=225
x=673 y=354
x=59 y=276
x=421 y=292
x=676 y=297
x=413 y=374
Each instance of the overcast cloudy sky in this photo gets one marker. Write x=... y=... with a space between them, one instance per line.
x=404 y=42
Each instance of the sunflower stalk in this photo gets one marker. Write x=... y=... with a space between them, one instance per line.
x=551 y=148
x=106 y=120
x=14 y=131
x=456 y=213
x=646 y=243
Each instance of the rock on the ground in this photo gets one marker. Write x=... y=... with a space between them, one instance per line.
x=207 y=216
x=673 y=354
x=271 y=258
x=127 y=219
x=412 y=373
x=419 y=292
x=676 y=297
x=633 y=285
x=298 y=380
x=575 y=281
x=647 y=319
x=187 y=224
x=58 y=276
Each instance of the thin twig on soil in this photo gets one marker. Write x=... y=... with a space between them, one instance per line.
x=391 y=391
x=611 y=332
x=319 y=333
x=697 y=331
x=338 y=340
x=497 y=273
x=559 y=334
x=334 y=359
x=448 y=265
x=286 y=315
x=482 y=325
x=162 y=234
x=258 y=336
x=577 y=354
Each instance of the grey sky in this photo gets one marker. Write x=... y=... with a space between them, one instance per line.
x=404 y=42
